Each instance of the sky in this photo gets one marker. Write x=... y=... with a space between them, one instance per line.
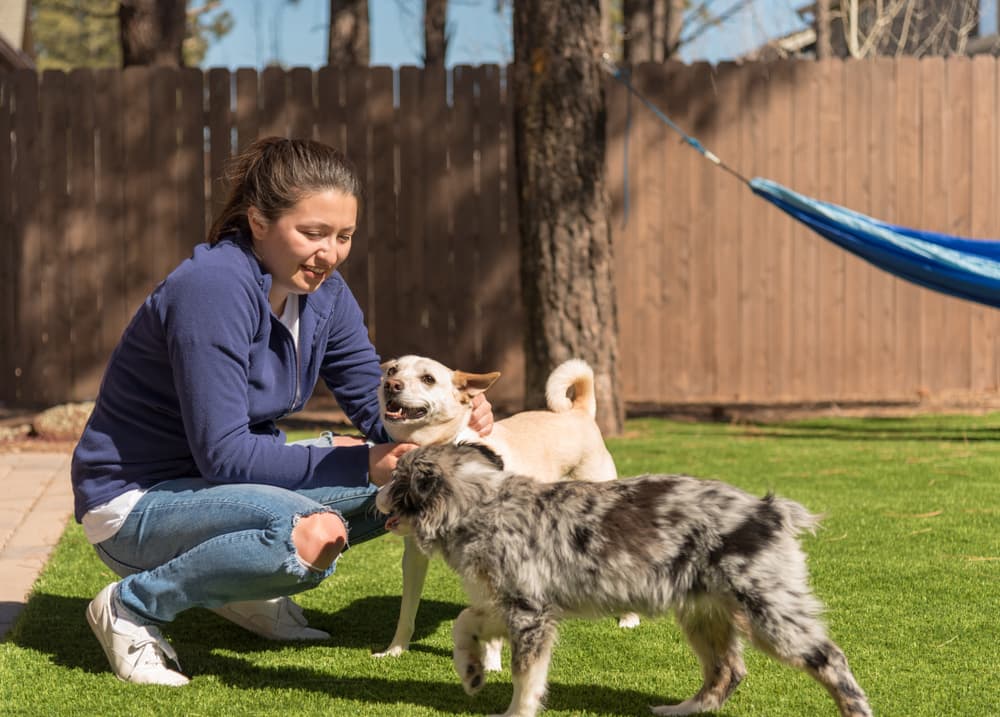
x=295 y=33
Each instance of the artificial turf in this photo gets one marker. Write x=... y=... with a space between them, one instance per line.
x=907 y=562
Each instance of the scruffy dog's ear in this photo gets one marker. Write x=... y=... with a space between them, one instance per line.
x=425 y=479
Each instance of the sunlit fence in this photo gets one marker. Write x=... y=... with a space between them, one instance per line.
x=108 y=178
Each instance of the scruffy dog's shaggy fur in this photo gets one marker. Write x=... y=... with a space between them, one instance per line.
x=531 y=554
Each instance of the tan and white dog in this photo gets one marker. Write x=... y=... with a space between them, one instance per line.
x=425 y=402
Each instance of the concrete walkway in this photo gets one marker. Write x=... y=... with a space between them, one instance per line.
x=36 y=501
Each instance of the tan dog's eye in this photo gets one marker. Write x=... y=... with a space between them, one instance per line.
x=428 y=379
x=391 y=371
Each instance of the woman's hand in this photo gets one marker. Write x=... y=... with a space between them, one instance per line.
x=481 y=420
x=382 y=459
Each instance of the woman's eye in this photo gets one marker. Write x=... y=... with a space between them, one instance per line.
x=343 y=239
x=428 y=379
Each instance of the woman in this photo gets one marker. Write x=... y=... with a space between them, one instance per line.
x=181 y=478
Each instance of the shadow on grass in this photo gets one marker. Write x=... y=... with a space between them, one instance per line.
x=55 y=625
x=367 y=623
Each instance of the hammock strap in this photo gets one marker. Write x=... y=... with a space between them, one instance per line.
x=622 y=75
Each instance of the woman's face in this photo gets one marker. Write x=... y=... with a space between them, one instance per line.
x=302 y=247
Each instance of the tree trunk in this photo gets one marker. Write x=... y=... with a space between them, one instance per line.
x=823 y=18
x=567 y=264
x=152 y=31
x=638 y=43
x=349 y=45
x=435 y=32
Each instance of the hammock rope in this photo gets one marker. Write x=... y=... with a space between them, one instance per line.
x=965 y=268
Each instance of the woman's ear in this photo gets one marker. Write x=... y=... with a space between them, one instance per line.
x=256 y=220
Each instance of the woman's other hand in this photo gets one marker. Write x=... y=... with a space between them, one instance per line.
x=481 y=420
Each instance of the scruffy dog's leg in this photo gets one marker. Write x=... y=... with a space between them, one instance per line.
x=710 y=630
x=783 y=623
x=532 y=636
x=474 y=631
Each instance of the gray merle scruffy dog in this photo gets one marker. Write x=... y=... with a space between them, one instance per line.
x=532 y=553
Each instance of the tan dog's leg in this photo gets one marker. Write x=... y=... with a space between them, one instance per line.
x=414 y=572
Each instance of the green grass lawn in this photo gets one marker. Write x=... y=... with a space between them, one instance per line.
x=907 y=561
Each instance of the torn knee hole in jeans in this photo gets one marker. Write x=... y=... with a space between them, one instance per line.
x=310 y=564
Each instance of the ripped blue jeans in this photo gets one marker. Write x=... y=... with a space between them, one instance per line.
x=192 y=543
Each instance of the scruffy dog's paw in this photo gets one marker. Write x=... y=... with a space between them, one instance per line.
x=470 y=671
x=628 y=620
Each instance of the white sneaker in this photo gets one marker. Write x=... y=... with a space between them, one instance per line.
x=277 y=619
x=137 y=653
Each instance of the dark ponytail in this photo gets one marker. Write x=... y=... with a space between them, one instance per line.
x=273 y=174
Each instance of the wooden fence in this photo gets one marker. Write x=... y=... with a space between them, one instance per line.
x=108 y=178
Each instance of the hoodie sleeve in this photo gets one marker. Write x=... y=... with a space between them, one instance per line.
x=211 y=323
x=350 y=367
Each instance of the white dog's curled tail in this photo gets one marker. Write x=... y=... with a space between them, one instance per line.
x=576 y=374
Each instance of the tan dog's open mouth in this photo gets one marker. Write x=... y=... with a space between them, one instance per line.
x=395 y=411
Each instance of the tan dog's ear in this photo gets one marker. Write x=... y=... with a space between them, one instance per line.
x=474 y=383
x=386 y=364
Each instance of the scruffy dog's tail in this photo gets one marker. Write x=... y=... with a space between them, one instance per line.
x=573 y=374
x=795 y=517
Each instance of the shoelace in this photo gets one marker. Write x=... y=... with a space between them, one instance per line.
x=160 y=648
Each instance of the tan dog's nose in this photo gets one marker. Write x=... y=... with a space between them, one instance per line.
x=393 y=386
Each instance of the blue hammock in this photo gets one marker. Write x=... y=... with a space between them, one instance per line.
x=966 y=268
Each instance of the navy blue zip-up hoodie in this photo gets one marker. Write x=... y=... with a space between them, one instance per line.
x=203 y=371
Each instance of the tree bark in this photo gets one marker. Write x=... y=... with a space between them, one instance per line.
x=567 y=263
x=435 y=32
x=152 y=31
x=823 y=18
x=349 y=44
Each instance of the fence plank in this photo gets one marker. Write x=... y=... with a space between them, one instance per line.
x=140 y=238
x=956 y=341
x=27 y=194
x=301 y=103
x=702 y=300
x=273 y=103
x=512 y=317
x=934 y=211
x=983 y=220
x=111 y=207
x=356 y=144
x=883 y=141
x=728 y=331
x=219 y=137
x=163 y=171
x=248 y=120
x=384 y=244
x=8 y=244
x=194 y=185
x=84 y=315
x=439 y=285
x=805 y=289
x=53 y=292
x=857 y=182
x=499 y=255
x=409 y=277
x=465 y=222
